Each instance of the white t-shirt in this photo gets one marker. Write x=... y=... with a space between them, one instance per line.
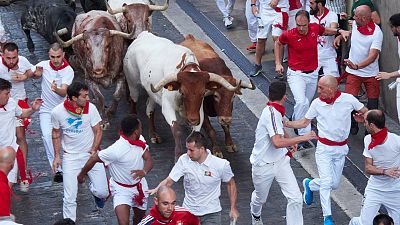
x=360 y=48
x=8 y=121
x=325 y=43
x=398 y=51
x=269 y=125
x=64 y=76
x=202 y=182
x=18 y=88
x=77 y=134
x=384 y=156
x=122 y=157
x=334 y=120
x=283 y=4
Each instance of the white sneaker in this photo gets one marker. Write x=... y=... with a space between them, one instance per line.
x=24 y=186
x=228 y=22
x=255 y=221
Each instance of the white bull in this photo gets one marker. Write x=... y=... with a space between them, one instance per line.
x=154 y=60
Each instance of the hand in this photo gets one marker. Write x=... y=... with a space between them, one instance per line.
x=273 y=3
x=279 y=69
x=138 y=174
x=337 y=41
x=393 y=172
x=359 y=117
x=343 y=16
x=54 y=86
x=234 y=214
x=350 y=23
x=39 y=71
x=36 y=104
x=292 y=148
x=345 y=34
x=56 y=163
x=383 y=76
x=310 y=136
x=81 y=178
x=93 y=151
x=152 y=191
x=350 y=64
x=254 y=10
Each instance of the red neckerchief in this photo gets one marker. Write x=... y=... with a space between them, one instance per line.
x=8 y=67
x=279 y=108
x=76 y=111
x=368 y=29
x=331 y=100
x=285 y=19
x=326 y=11
x=4 y=107
x=138 y=142
x=294 y=4
x=63 y=65
x=378 y=138
x=156 y=215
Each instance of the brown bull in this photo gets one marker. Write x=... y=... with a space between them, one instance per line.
x=99 y=46
x=220 y=103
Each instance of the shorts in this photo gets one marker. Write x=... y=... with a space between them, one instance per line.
x=353 y=85
x=23 y=122
x=124 y=195
x=271 y=20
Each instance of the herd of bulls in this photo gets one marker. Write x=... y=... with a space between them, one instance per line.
x=112 y=43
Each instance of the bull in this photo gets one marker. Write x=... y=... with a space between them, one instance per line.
x=46 y=17
x=88 y=5
x=220 y=101
x=99 y=46
x=172 y=78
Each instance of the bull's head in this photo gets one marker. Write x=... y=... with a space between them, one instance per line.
x=137 y=15
x=193 y=86
x=96 y=47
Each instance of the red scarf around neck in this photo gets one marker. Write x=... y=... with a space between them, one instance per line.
x=378 y=138
x=76 y=111
x=138 y=142
x=331 y=100
x=285 y=19
x=368 y=29
x=5 y=64
x=326 y=11
x=4 y=107
x=63 y=65
x=278 y=107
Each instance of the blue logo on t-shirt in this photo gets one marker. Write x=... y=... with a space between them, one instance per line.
x=74 y=122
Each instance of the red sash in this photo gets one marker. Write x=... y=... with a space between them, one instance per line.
x=285 y=19
x=24 y=105
x=138 y=199
x=328 y=142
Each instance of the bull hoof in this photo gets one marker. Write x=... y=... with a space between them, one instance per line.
x=218 y=154
x=231 y=148
x=156 y=140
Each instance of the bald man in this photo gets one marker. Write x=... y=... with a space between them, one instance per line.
x=362 y=65
x=7 y=158
x=165 y=210
x=332 y=110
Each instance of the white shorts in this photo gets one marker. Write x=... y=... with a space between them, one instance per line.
x=13 y=174
x=124 y=195
x=270 y=18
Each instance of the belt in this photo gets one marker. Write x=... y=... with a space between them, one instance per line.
x=138 y=199
x=307 y=72
x=326 y=141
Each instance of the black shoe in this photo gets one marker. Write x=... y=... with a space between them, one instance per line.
x=58 y=177
x=99 y=202
x=257 y=69
x=354 y=128
x=304 y=145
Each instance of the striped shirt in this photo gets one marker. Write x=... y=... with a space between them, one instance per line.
x=336 y=6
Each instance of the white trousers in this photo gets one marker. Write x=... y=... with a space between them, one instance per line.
x=47 y=127
x=373 y=200
x=225 y=9
x=98 y=185
x=263 y=176
x=398 y=98
x=251 y=21
x=303 y=87
x=330 y=161
x=329 y=66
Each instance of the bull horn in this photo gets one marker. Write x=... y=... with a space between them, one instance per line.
x=162 y=83
x=250 y=86
x=62 y=31
x=66 y=44
x=111 y=11
x=217 y=78
x=159 y=7
x=123 y=34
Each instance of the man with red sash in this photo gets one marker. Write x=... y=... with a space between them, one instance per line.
x=17 y=69
x=362 y=64
x=166 y=212
x=270 y=158
x=326 y=52
x=382 y=162
x=56 y=75
x=77 y=131
x=7 y=160
x=9 y=113
x=128 y=155
x=333 y=111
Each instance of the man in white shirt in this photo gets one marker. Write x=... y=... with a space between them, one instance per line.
x=17 y=69
x=202 y=175
x=270 y=158
x=362 y=64
x=77 y=130
x=382 y=162
x=395 y=26
x=9 y=112
x=333 y=111
x=326 y=52
x=56 y=75
x=128 y=155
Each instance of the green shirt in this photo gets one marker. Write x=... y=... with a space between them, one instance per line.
x=361 y=2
